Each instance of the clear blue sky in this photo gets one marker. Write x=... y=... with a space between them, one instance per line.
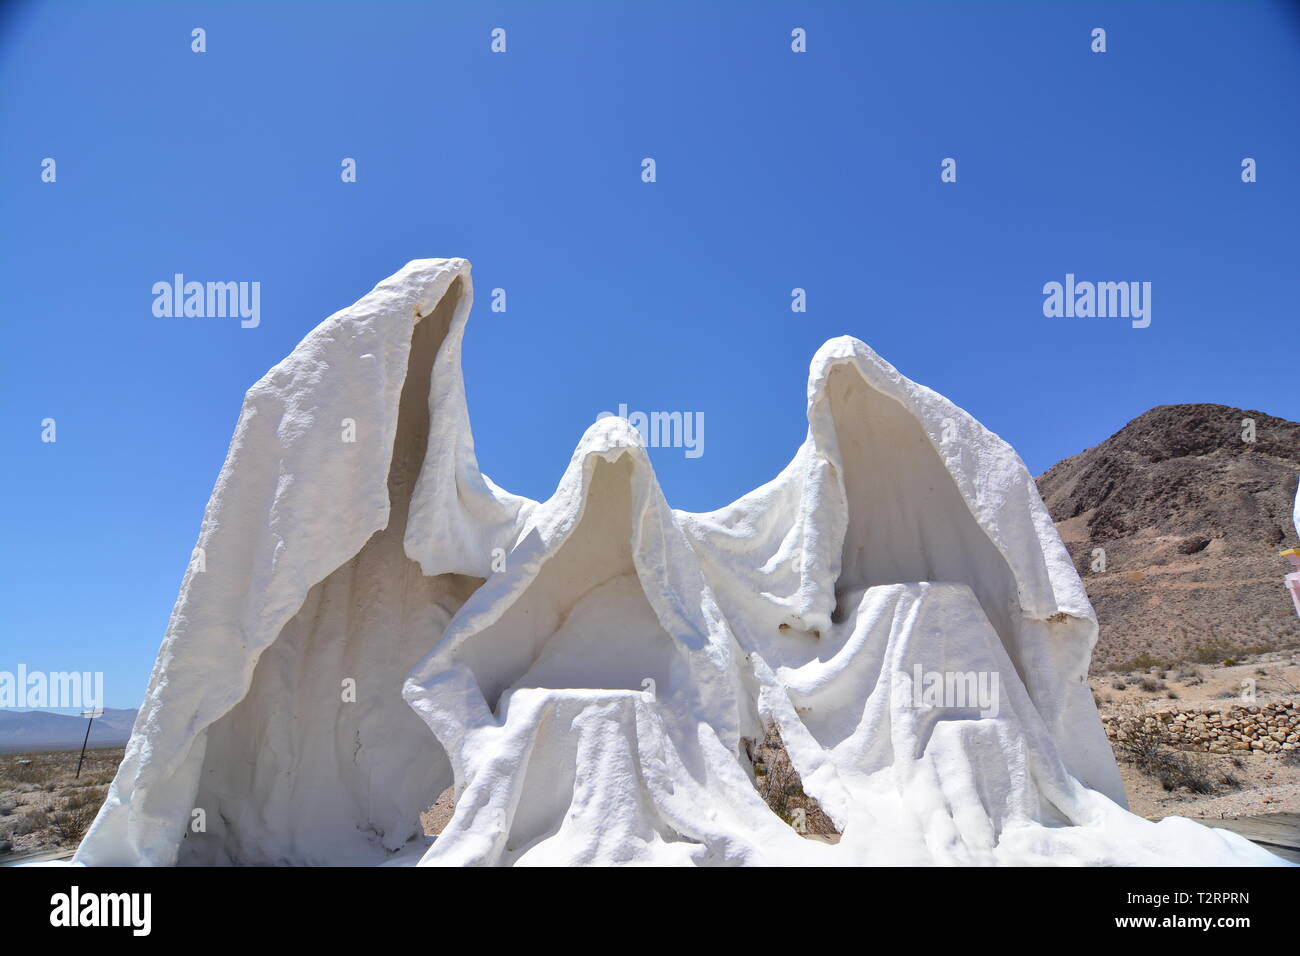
x=775 y=170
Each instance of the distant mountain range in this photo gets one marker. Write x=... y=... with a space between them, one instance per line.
x=35 y=730
x=1188 y=515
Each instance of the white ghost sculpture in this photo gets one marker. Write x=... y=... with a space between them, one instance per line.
x=375 y=620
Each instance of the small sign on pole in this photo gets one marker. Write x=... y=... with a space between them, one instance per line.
x=90 y=715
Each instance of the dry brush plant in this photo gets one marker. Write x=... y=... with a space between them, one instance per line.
x=1143 y=741
x=781 y=789
x=72 y=822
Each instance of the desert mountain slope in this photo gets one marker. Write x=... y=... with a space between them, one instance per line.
x=41 y=730
x=1190 y=516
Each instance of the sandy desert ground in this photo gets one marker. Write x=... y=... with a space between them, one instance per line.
x=44 y=805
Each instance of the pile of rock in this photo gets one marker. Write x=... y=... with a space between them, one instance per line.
x=1271 y=728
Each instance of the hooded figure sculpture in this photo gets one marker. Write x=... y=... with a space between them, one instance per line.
x=374 y=620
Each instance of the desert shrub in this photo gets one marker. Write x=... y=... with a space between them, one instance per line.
x=32 y=770
x=72 y=824
x=779 y=785
x=1207 y=653
x=1145 y=746
x=84 y=796
x=31 y=821
x=1180 y=771
x=1143 y=662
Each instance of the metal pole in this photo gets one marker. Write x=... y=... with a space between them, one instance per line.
x=89 y=723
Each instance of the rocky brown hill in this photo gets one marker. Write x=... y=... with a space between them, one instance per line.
x=1175 y=523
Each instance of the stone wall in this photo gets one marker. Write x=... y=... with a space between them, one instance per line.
x=1270 y=728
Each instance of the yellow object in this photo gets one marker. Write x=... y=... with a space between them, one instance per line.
x=1290 y=553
